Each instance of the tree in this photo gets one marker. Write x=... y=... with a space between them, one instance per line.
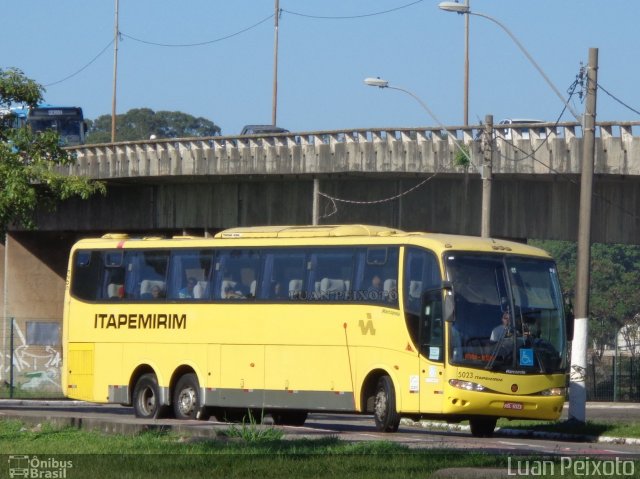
x=614 y=298
x=140 y=123
x=28 y=179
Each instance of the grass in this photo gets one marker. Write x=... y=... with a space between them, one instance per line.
x=591 y=428
x=251 y=432
x=168 y=455
x=19 y=393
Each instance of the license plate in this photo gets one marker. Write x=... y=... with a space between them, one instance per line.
x=513 y=405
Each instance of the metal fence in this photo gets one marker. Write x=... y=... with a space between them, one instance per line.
x=31 y=362
x=613 y=378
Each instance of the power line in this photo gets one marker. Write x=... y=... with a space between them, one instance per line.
x=84 y=67
x=199 y=44
x=348 y=17
x=618 y=100
x=335 y=200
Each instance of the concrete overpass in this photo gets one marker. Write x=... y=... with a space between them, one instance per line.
x=218 y=182
x=400 y=177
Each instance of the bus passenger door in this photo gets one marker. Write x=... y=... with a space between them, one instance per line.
x=431 y=333
x=422 y=299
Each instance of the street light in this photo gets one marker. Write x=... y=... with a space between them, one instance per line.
x=462 y=8
x=486 y=174
x=381 y=83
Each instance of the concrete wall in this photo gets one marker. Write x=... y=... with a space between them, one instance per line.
x=35 y=271
x=524 y=206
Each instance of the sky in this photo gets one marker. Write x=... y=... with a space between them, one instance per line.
x=326 y=48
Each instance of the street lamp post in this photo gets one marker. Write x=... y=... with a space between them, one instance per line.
x=463 y=8
x=115 y=73
x=486 y=206
x=274 y=98
x=466 y=66
x=380 y=83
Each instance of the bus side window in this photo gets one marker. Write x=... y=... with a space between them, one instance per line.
x=145 y=269
x=421 y=273
x=380 y=277
x=85 y=276
x=284 y=272
x=332 y=277
x=114 y=275
x=189 y=272
x=238 y=276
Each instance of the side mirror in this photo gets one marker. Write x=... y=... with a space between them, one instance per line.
x=448 y=304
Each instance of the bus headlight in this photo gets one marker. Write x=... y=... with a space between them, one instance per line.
x=466 y=385
x=554 y=392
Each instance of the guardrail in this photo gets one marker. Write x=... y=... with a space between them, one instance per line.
x=539 y=148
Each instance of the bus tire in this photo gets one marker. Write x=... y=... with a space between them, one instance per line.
x=482 y=426
x=289 y=418
x=384 y=409
x=146 y=398
x=186 y=398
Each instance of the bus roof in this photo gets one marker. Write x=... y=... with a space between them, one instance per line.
x=307 y=231
x=353 y=234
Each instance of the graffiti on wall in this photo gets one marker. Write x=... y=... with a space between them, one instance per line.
x=35 y=367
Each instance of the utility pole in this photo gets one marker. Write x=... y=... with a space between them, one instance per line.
x=315 y=206
x=577 y=389
x=274 y=103
x=466 y=66
x=487 y=176
x=115 y=74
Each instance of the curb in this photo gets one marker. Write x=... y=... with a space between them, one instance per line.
x=443 y=426
x=44 y=402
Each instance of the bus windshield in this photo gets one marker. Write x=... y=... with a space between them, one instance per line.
x=509 y=313
x=68 y=122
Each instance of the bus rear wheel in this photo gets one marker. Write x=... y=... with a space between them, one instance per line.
x=289 y=418
x=146 y=398
x=482 y=426
x=384 y=409
x=186 y=398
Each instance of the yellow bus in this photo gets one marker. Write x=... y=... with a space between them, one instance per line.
x=287 y=320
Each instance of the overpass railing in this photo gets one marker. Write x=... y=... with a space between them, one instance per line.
x=543 y=148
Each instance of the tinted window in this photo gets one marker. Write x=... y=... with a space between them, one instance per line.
x=85 y=279
x=190 y=274
x=380 y=276
x=332 y=274
x=285 y=275
x=237 y=274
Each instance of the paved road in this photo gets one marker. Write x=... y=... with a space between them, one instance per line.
x=346 y=427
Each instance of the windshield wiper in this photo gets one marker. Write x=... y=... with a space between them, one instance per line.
x=494 y=354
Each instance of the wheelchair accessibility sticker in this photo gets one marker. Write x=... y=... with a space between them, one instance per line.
x=526 y=357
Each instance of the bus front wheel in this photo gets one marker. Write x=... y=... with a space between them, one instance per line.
x=186 y=398
x=146 y=398
x=482 y=426
x=384 y=409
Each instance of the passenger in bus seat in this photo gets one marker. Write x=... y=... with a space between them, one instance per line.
x=233 y=290
x=390 y=290
x=375 y=291
x=151 y=289
x=187 y=291
x=278 y=291
x=156 y=292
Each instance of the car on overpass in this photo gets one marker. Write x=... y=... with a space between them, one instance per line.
x=507 y=133
x=262 y=130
